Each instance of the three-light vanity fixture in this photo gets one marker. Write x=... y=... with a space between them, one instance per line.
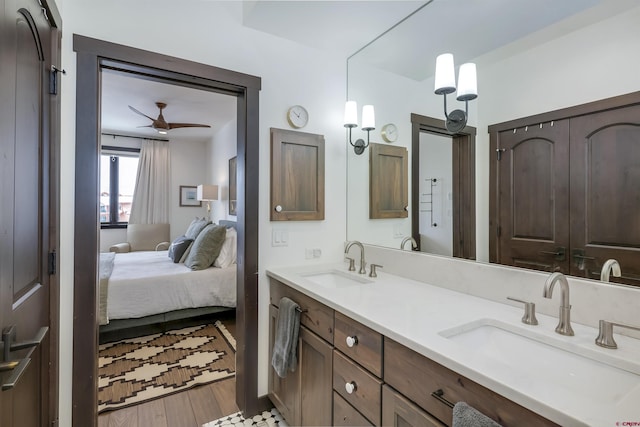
x=351 y=121
x=445 y=83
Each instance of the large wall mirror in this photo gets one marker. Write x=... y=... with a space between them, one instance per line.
x=532 y=58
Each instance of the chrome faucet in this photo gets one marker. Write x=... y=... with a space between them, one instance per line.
x=564 y=321
x=605 y=333
x=408 y=239
x=610 y=266
x=362 y=263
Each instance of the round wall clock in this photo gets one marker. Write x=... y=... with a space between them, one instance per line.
x=297 y=116
x=389 y=132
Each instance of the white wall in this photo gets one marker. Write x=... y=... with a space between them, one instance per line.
x=219 y=150
x=212 y=33
x=436 y=162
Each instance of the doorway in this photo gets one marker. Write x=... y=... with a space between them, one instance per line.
x=92 y=57
x=462 y=185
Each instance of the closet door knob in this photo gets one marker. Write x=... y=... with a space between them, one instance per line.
x=351 y=341
x=350 y=387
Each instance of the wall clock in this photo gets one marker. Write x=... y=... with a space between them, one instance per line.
x=389 y=132
x=297 y=116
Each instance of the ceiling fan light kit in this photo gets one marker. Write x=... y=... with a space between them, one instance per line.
x=161 y=125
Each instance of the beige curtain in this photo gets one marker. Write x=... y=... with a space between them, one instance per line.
x=150 y=204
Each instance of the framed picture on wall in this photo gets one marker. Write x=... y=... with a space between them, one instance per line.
x=233 y=189
x=188 y=196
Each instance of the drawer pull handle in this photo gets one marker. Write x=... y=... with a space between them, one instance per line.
x=439 y=394
x=350 y=387
x=351 y=341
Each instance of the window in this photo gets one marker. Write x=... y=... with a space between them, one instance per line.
x=118 y=169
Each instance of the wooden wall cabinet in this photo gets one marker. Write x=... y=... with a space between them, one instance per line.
x=388 y=181
x=297 y=176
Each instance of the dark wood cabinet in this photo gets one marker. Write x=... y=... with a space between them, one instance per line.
x=297 y=176
x=566 y=195
x=388 y=181
x=398 y=411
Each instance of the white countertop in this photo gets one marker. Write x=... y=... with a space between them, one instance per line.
x=414 y=313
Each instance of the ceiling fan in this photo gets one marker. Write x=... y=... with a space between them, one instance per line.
x=161 y=125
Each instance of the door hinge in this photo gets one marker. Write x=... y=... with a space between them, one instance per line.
x=53 y=79
x=52 y=262
x=498 y=231
x=54 y=423
x=499 y=152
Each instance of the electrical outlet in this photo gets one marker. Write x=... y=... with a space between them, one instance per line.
x=317 y=252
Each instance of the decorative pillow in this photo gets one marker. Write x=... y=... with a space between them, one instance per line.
x=229 y=250
x=196 y=226
x=206 y=247
x=178 y=248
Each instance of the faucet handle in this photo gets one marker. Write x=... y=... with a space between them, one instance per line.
x=373 y=270
x=529 y=317
x=605 y=333
x=352 y=264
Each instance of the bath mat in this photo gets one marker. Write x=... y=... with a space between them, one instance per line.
x=139 y=369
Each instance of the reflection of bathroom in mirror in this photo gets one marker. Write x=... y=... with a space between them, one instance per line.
x=558 y=55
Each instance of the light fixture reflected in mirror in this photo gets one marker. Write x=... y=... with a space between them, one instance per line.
x=445 y=83
x=351 y=121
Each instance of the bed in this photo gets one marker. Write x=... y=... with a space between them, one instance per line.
x=148 y=287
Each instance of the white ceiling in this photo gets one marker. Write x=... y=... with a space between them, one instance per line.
x=467 y=28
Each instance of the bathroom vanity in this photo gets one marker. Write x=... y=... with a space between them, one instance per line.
x=394 y=351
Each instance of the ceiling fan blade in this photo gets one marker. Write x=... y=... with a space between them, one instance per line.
x=187 y=125
x=141 y=113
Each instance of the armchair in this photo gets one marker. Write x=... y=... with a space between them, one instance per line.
x=144 y=237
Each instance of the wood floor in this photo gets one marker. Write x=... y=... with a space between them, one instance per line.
x=190 y=408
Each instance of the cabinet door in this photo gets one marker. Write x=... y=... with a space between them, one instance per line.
x=398 y=411
x=533 y=197
x=388 y=181
x=605 y=193
x=297 y=176
x=315 y=367
x=283 y=392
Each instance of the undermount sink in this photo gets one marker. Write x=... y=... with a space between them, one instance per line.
x=335 y=279
x=543 y=359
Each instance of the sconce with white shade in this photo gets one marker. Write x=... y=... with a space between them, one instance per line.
x=207 y=193
x=351 y=121
x=445 y=83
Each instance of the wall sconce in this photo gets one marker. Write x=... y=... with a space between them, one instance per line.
x=206 y=193
x=445 y=83
x=351 y=121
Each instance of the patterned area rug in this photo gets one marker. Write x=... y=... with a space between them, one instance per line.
x=135 y=370
x=266 y=419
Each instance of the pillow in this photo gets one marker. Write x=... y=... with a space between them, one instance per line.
x=229 y=250
x=178 y=248
x=206 y=247
x=196 y=226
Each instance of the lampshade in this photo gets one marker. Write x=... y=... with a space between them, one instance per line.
x=467 y=82
x=445 y=80
x=351 y=114
x=207 y=192
x=368 y=118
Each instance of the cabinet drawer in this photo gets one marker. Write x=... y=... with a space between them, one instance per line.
x=417 y=377
x=315 y=316
x=367 y=348
x=345 y=414
x=367 y=396
x=398 y=411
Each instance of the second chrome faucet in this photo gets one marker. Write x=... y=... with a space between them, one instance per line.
x=564 y=321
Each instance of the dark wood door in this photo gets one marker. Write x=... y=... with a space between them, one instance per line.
x=25 y=128
x=533 y=197
x=605 y=193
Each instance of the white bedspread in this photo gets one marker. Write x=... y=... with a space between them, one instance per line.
x=146 y=283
